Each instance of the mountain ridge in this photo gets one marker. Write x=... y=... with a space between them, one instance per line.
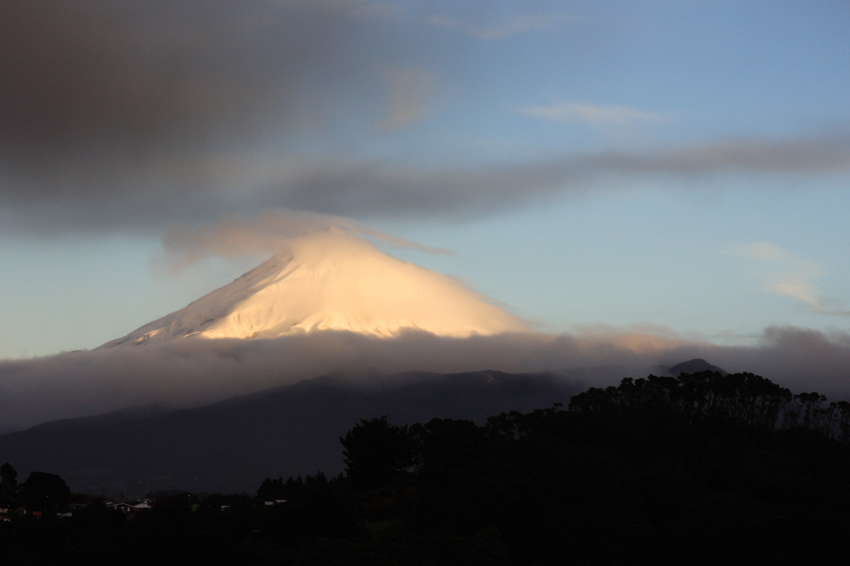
x=233 y=444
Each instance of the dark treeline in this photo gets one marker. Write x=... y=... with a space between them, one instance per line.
x=744 y=397
x=700 y=469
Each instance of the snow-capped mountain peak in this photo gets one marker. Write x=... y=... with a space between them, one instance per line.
x=332 y=281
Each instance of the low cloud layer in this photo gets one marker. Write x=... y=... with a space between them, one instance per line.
x=197 y=372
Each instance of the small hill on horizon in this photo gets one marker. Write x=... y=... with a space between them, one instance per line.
x=695 y=365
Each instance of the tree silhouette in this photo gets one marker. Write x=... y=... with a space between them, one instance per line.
x=43 y=491
x=8 y=484
x=9 y=476
x=445 y=444
x=375 y=452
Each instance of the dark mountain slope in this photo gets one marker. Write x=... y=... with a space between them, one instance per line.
x=231 y=446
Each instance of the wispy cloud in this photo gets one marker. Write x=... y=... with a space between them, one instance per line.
x=792 y=276
x=269 y=232
x=442 y=21
x=566 y=111
x=520 y=25
x=408 y=92
x=398 y=188
x=366 y=8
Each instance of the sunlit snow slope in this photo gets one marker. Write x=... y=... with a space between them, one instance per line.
x=332 y=281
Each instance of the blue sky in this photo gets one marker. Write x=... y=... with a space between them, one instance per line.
x=675 y=166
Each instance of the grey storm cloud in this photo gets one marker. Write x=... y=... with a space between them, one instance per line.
x=124 y=115
x=388 y=188
x=98 y=92
x=198 y=372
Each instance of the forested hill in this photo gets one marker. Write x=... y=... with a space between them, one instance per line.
x=232 y=445
x=700 y=469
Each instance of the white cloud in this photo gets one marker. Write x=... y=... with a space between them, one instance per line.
x=791 y=276
x=568 y=111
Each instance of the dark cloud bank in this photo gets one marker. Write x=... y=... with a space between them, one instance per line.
x=106 y=106
x=395 y=190
x=119 y=115
x=86 y=82
x=194 y=373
